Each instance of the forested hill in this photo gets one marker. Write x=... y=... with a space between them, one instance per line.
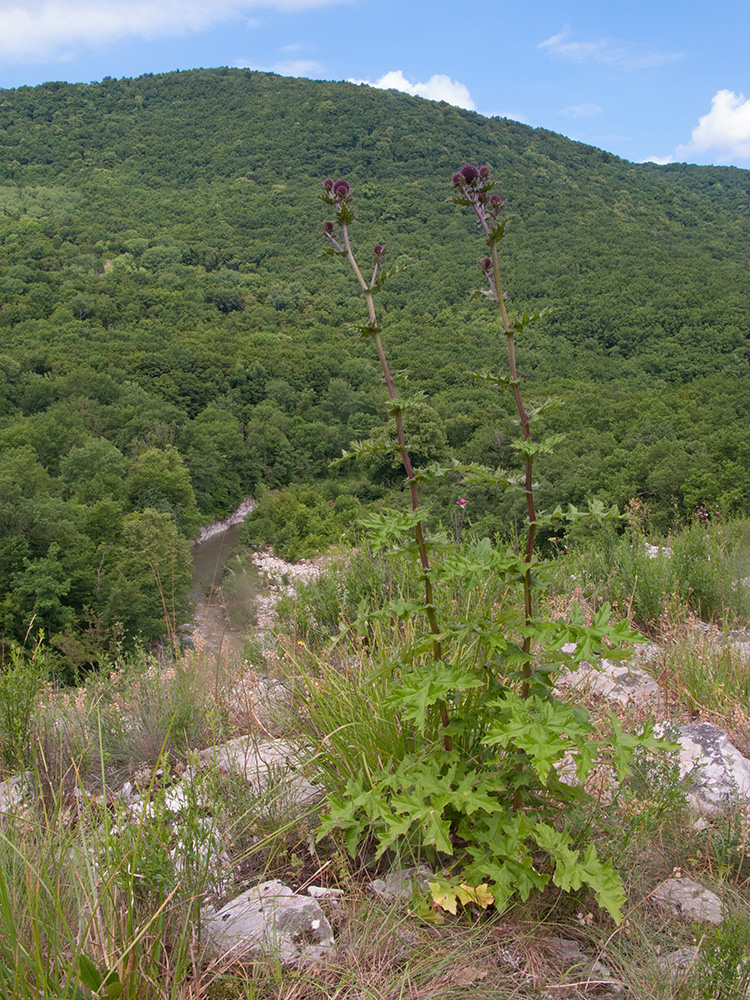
x=172 y=339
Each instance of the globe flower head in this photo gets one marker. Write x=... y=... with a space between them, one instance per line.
x=484 y=173
x=328 y=184
x=485 y=264
x=341 y=190
x=378 y=252
x=456 y=180
x=329 y=227
x=469 y=173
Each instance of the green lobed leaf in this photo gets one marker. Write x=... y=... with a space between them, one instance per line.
x=426 y=686
x=526 y=318
x=544 y=447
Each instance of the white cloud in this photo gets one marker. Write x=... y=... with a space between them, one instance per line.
x=438 y=88
x=35 y=30
x=661 y=160
x=721 y=136
x=581 y=110
x=606 y=52
x=725 y=129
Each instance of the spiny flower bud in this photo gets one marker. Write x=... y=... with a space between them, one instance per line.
x=341 y=189
x=456 y=180
x=497 y=202
x=486 y=264
x=484 y=173
x=378 y=251
x=328 y=184
x=328 y=226
x=469 y=173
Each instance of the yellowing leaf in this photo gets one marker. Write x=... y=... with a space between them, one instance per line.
x=447 y=896
x=444 y=896
x=479 y=895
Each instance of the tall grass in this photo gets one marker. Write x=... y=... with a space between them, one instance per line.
x=703 y=570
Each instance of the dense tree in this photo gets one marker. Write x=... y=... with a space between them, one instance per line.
x=171 y=339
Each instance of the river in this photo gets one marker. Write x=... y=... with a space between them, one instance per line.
x=225 y=589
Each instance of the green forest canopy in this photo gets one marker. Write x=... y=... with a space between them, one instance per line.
x=172 y=340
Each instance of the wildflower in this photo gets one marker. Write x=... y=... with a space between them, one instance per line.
x=484 y=173
x=486 y=264
x=378 y=252
x=341 y=189
x=461 y=502
x=469 y=173
x=328 y=226
x=328 y=184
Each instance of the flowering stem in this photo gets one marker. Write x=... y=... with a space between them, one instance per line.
x=474 y=189
x=339 y=196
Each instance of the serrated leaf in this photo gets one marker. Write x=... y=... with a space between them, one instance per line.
x=393 y=524
x=363 y=449
x=385 y=273
x=89 y=972
x=402 y=405
x=430 y=685
x=526 y=318
x=544 y=447
x=498 y=231
x=485 y=375
x=113 y=988
x=367 y=329
x=445 y=896
x=479 y=894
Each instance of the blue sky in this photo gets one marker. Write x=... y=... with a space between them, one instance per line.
x=650 y=79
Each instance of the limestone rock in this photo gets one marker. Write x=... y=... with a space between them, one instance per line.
x=624 y=683
x=271 y=920
x=676 y=963
x=266 y=766
x=571 y=956
x=13 y=792
x=718 y=774
x=689 y=900
x=402 y=883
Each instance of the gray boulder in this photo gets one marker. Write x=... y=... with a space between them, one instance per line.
x=718 y=775
x=269 y=919
x=689 y=900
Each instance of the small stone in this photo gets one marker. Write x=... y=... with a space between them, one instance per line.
x=321 y=892
x=689 y=900
x=402 y=884
x=677 y=962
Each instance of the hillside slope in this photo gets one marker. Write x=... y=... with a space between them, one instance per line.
x=172 y=338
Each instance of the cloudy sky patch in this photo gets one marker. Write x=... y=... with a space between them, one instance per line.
x=33 y=30
x=605 y=52
x=633 y=79
x=439 y=87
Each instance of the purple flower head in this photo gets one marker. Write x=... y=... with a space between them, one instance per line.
x=460 y=502
x=469 y=173
x=484 y=173
x=378 y=251
x=341 y=189
x=328 y=226
x=486 y=264
x=497 y=202
x=456 y=180
x=328 y=184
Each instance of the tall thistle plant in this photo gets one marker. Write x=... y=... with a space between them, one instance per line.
x=482 y=797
